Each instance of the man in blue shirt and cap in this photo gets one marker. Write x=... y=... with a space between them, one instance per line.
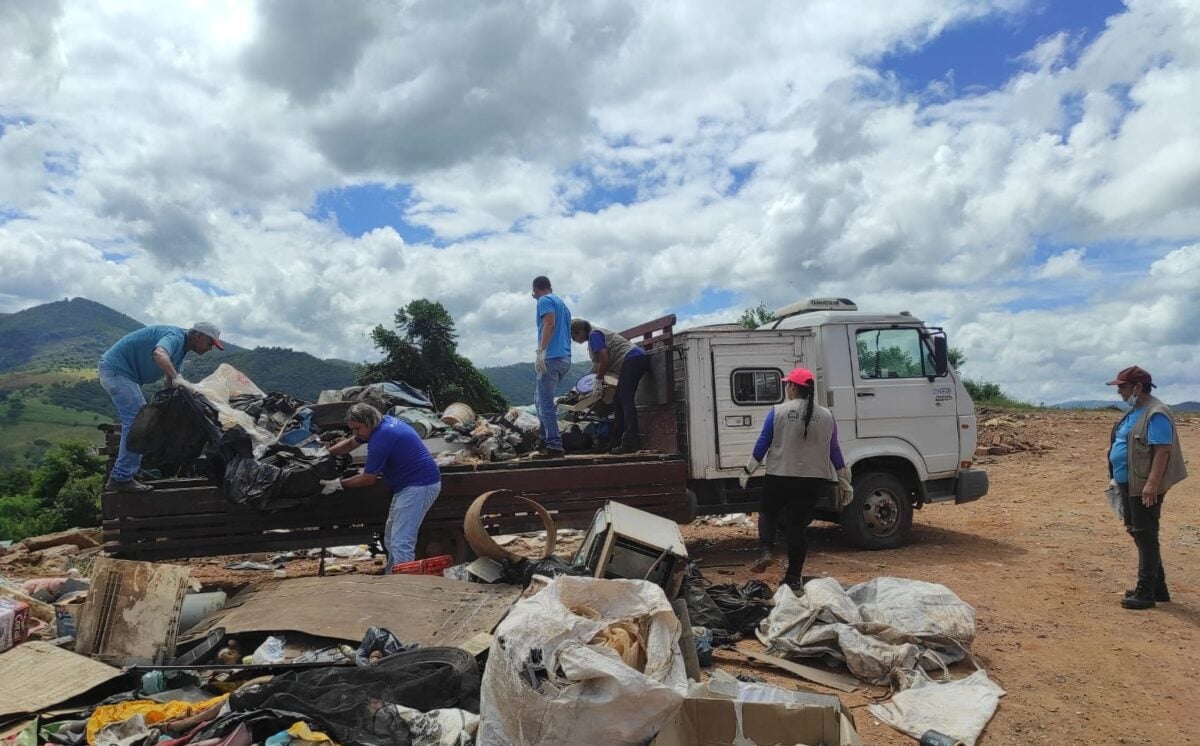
x=552 y=362
x=140 y=358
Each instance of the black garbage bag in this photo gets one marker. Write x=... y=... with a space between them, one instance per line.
x=262 y=724
x=744 y=607
x=703 y=611
x=352 y=704
x=521 y=572
x=378 y=639
x=286 y=476
x=174 y=427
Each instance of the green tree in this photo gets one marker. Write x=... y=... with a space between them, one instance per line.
x=16 y=408
x=422 y=351
x=956 y=357
x=15 y=481
x=70 y=459
x=753 y=318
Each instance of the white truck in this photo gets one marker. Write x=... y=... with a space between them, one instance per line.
x=906 y=424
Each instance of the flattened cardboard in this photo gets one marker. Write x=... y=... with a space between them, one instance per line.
x=36 y=676
x=416 y=608
x=714 y=722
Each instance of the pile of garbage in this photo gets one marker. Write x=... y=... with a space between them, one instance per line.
x=610 y=642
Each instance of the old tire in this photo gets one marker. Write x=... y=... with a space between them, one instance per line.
x=880 y=516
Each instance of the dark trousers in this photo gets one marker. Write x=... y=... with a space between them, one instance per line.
x=1142 y=524
x=788 y=502
x=625 y=421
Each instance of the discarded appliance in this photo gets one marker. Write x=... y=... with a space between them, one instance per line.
x=625 y=542
x=727 y=712
x=132 y=611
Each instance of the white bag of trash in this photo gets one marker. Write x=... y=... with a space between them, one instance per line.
x=960 y=709
x=583 y=660
x=879 y=629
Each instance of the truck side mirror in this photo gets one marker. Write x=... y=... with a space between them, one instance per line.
x=941 y=357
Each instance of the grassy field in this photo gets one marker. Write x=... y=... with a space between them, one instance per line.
x=23 y=443
x=18 y=380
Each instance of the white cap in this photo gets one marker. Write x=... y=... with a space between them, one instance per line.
x=210 y=329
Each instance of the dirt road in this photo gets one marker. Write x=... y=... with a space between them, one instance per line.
x=1044 y=563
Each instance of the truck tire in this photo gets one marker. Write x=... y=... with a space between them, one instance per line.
x=880 y=516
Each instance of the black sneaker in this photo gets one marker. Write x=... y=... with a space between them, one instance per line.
x=549 y=453
x=1138 y=602
x=795 y=582
x=1161 y=594
x=127 y=485
x=622 y=450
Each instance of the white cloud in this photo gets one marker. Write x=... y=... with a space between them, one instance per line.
x=194 y=139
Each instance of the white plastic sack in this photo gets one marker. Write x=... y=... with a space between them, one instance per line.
x=591 y=695
x=218 y=388
x=450 y=727
x=879 y=629
x=960 y=708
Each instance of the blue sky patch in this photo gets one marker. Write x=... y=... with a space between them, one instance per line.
x=207 y=287
x=115 y=257
x=984 y=53
x=362 y=208
x=711 y=299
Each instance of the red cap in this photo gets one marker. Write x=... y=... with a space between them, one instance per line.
x=800 y=377
x=1132 y=374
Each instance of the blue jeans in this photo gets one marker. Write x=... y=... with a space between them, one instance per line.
x=409 y=507
x=547 y=385
x=128 y=398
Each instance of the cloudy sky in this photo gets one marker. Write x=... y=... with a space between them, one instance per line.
x=1024 y=172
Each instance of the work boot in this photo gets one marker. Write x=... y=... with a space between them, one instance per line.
x=765 y=558
x=1161 y=594
x=549 y=453
x=127 y=485
x=623 y=449
x=1142 y=598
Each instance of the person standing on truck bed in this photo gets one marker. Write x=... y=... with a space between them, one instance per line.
x=1144 y=461
x=396 y=454
x=552 y=362
x=612 y=353
x=139 y=358
x=799 y=442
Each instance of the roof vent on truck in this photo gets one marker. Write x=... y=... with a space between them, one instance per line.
x=816 y=304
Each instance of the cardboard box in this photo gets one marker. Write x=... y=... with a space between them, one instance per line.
x=724 y=713
x=14 y=622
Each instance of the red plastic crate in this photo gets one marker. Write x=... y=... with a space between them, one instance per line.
x=428 y=566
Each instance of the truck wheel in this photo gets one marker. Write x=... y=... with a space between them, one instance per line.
x=880 y=517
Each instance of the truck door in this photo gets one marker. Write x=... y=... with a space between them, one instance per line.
x=747 y=382
x=895 y=398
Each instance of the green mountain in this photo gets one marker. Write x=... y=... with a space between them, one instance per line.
x=52 y=349
x=516 y=381
x=70 y=333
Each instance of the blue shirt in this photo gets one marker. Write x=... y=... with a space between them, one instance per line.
x=1158 y=434
x=396 y=451
x=133 y=355
x=560 y=339
x=767 y=436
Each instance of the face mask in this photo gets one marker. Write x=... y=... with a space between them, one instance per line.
x=1131 y=396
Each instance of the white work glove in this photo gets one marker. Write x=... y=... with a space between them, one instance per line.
x=539 y=363
x=179 y=382
x=845 y=490
x=330 y=486
x=747 y=470
x=598 y=387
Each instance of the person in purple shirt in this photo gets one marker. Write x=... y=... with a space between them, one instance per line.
x=395 y=454
x=799 y=444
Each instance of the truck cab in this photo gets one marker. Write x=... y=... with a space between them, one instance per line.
x=906 y=424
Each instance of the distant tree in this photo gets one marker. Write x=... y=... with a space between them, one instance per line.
x=16 y=408
x=956 y=357
x=15 y=481
x=753 y=318
x=422 y=351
